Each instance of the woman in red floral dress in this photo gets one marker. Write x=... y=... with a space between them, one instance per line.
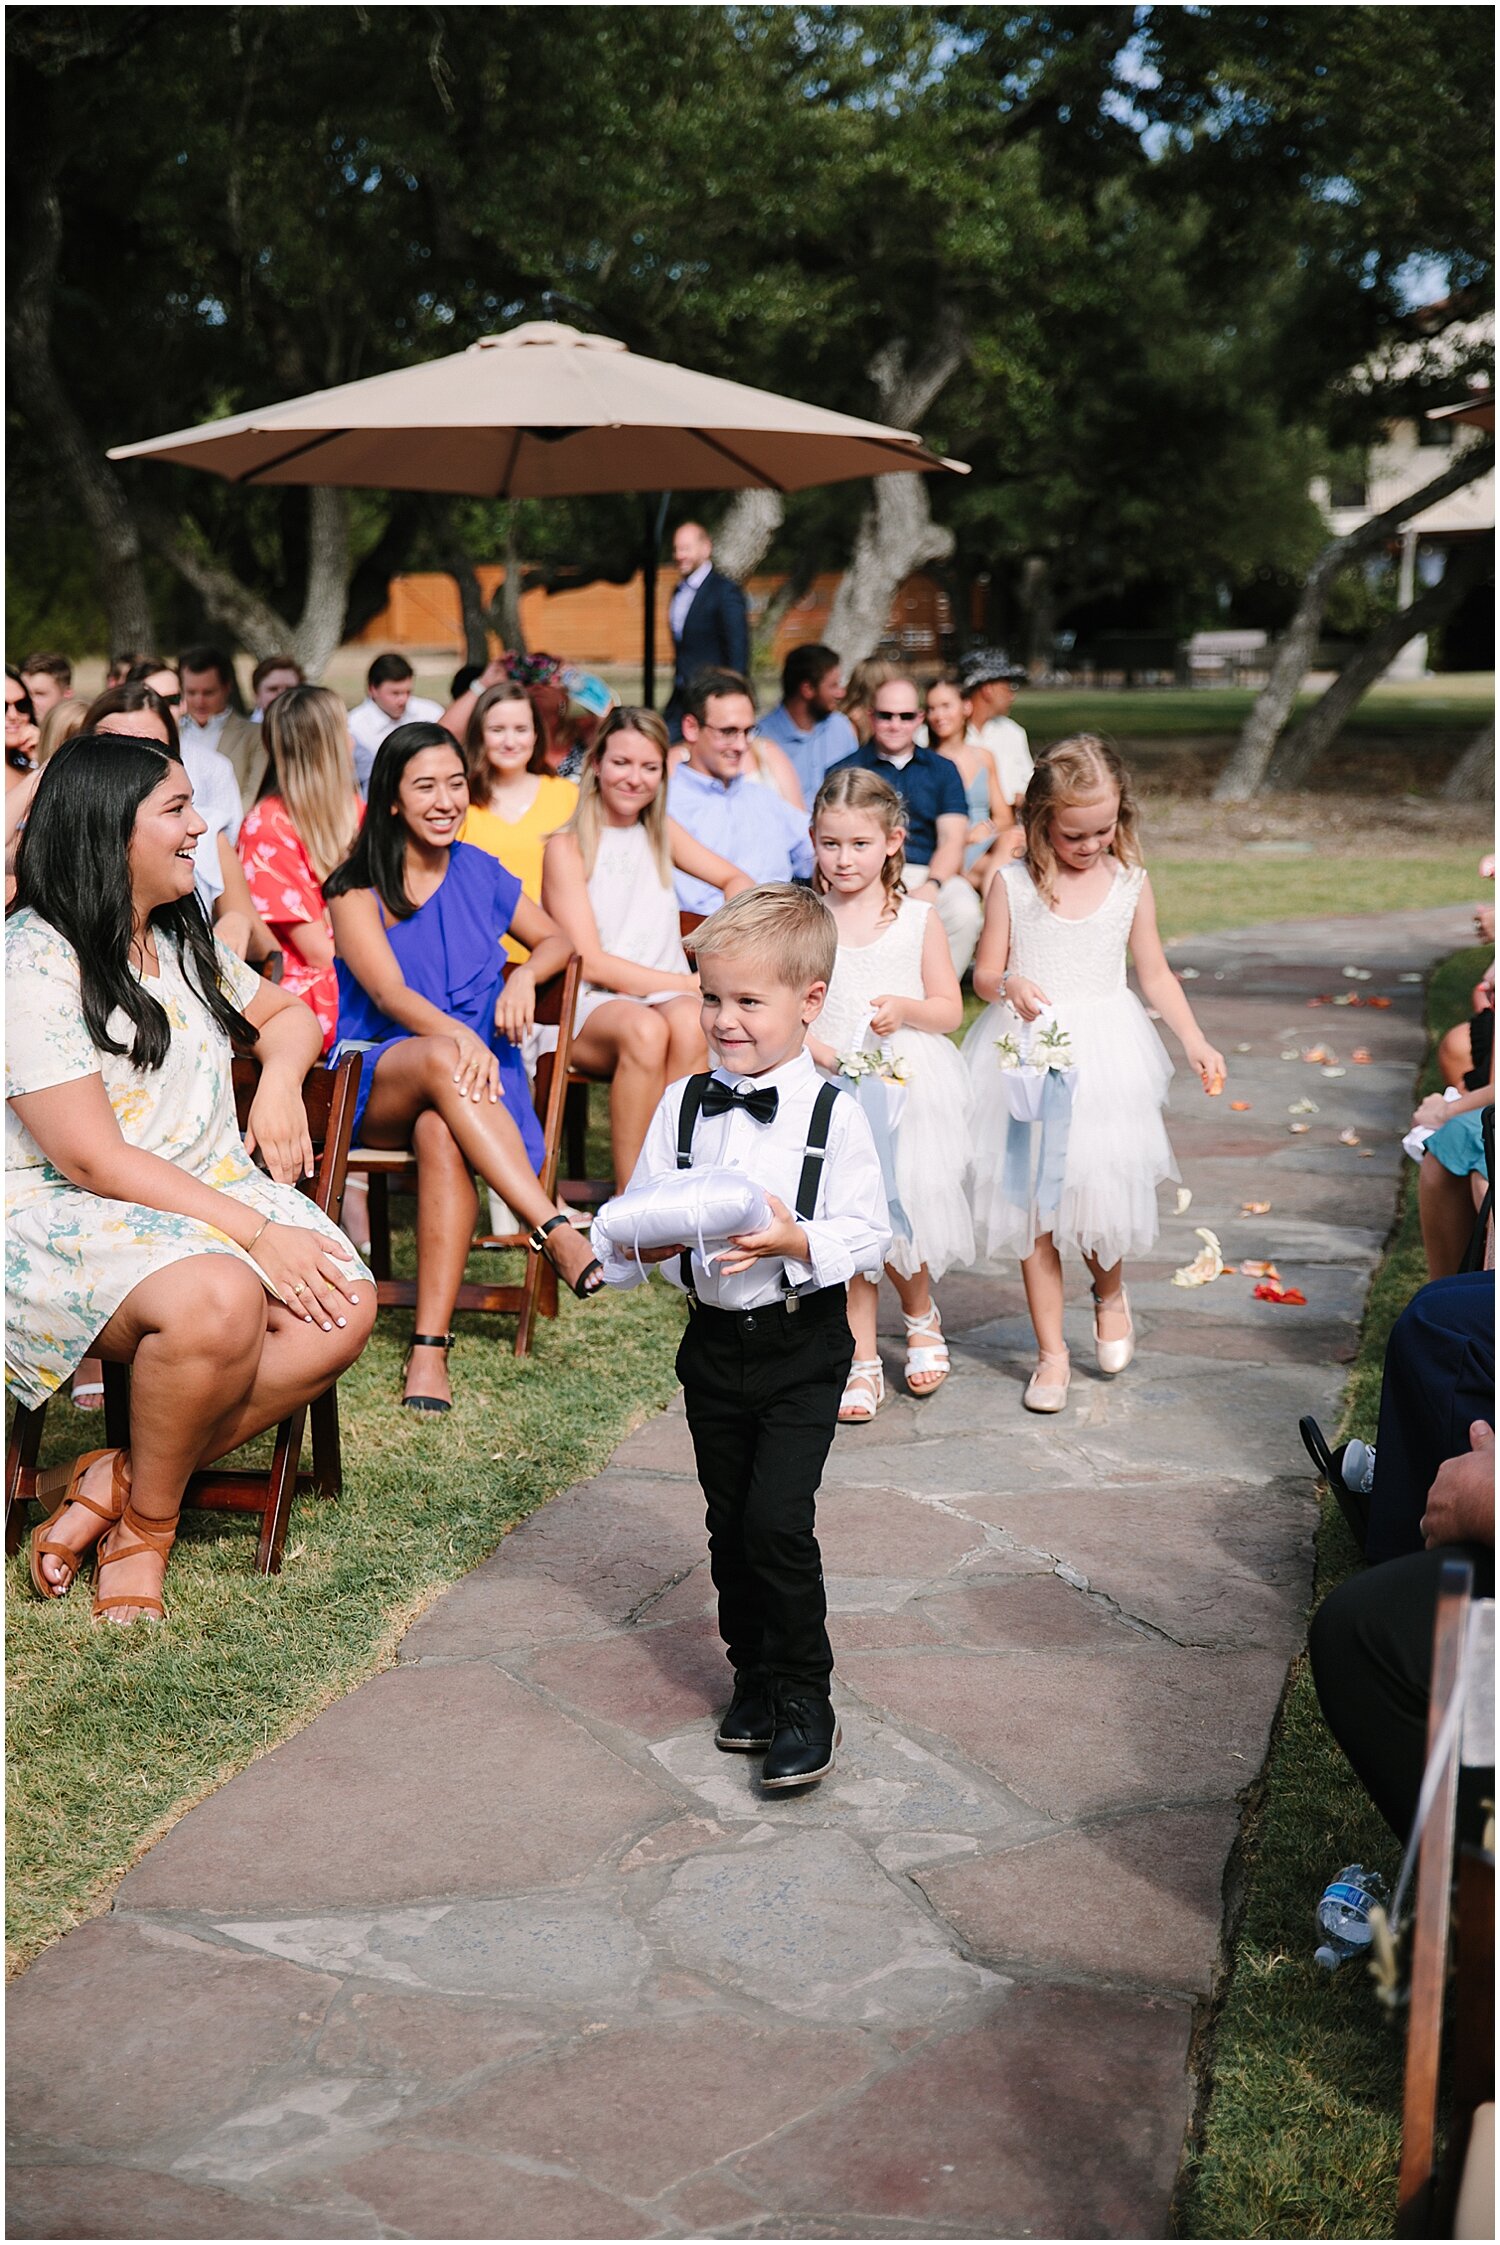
x=295 y=835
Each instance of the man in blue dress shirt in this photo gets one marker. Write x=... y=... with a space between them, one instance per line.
x=710 y=795
x=810 y=725
x=937 y=813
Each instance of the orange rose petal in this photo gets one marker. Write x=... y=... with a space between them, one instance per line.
x=1361 y=1058
x=1255 y=1208
x=1239 y=1106
x=1383 y=1003
x=1290 y=1295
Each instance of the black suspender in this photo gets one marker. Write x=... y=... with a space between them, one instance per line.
x=813 y=1156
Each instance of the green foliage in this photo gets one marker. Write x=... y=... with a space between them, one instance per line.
x=1163 y=233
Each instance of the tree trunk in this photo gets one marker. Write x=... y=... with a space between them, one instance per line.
x=1302 y=748
x=250 y=620
x=897 y=533
x=39 y=393
x=507 y=606
x=1039 y=605
x=1246 y=770
x=1472 y=778
x=745 y=531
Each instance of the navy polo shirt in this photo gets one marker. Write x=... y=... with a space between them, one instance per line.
x=931 y=787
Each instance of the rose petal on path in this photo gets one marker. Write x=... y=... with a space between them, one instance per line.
x=1256 y=1208
x=1184 y=1199
x=1288 y=1294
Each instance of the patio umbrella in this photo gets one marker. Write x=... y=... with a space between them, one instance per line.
x=544 y=412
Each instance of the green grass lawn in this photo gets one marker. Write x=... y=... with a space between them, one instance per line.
x=1197 y=896
x=1302 y=2131
x=113 y=1735
x=1447 y=703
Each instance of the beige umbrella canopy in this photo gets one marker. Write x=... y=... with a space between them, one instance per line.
x=543 y=412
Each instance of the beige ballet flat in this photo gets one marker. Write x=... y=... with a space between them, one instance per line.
x=1113 y=1355
x=1043 y=1394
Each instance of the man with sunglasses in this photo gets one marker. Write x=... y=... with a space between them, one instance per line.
x=936 y=809
x=712 y=796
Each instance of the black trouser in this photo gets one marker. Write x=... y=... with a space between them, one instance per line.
x=763 y=1389
x=1439 y=1378
x=1371 y=1648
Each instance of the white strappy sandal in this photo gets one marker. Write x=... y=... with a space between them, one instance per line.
x=864 y=1392
x=928 y=1356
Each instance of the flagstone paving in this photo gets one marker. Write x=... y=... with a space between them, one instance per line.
x=500 y=1946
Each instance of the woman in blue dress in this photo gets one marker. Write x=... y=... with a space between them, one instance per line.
x=418 y=923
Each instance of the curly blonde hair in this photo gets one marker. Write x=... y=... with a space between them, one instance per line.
x=1071 y=771
x=852 y=788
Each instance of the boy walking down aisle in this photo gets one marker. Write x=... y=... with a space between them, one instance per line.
x=768 y=1348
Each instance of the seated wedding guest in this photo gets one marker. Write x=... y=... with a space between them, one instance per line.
x=418 y=918
x=121 y=666
x=296 y=834
x=995 y=833
x=389 y=702
x=859 y=695
x=607 y=882
x=936 y=808
x=49 y=680
x=20 y=730
x=1454 y=1174
x=231 y=1297
x=810 y=725
x=273 y=675
x=988 y=679
x=139 y=712
x=62 y=721
x=514 y=801
x=209 y=719
x=714 y=800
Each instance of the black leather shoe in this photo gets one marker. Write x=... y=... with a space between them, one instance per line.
x=801 y=1752
x=750 y=1719
x=1354 y=1504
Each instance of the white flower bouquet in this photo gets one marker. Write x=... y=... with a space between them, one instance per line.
x=1046 y=1051
x=883 y=1067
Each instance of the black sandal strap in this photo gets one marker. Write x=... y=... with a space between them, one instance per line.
x=432 y=1340
x=538 y=1232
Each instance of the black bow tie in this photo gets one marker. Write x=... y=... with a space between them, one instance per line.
x=718 y=1099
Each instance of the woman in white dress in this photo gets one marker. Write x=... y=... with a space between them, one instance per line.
x=607 y=882
x=137 y=1228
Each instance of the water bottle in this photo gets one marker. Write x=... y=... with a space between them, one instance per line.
x=1344 y=1915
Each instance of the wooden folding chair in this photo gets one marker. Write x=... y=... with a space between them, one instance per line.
x=578 y=1186
x=537 y=1291
x=328 y=1094
x=1425 y=2201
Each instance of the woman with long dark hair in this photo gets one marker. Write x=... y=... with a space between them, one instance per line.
x=138 y=1228
x=418 y=921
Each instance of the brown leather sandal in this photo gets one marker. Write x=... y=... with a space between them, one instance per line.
x=66 y=1478
x=150 y=1535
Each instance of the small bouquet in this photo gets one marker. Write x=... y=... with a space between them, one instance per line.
x=857 y=1065
x=864 y=1070
x=1047 y=1052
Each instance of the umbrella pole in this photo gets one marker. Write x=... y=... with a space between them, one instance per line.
x=656 y=519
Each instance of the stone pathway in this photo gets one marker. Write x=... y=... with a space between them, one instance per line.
x=500 y=1947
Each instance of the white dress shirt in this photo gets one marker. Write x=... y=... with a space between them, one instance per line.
x=216 y=797
x=369 y=724
x=682 y=598
x=849 y=1231
x=1008 y=745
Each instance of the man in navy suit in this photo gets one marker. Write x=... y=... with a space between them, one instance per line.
x=710 y=627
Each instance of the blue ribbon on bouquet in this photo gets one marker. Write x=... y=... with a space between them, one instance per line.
x=870 y=1093
x=1054 y=1123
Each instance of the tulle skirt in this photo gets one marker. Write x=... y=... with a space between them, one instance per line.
x=1118 y=1150
x=934 y=1152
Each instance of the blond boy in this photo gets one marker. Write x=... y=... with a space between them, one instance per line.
x=767 y=1348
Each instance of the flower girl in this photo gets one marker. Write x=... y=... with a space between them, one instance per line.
x=883 y=1026
x=1056 y=930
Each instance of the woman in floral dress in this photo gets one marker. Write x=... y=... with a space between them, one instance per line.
x=137 y=1227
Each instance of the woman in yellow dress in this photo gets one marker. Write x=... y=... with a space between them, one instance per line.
x=514 y=801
